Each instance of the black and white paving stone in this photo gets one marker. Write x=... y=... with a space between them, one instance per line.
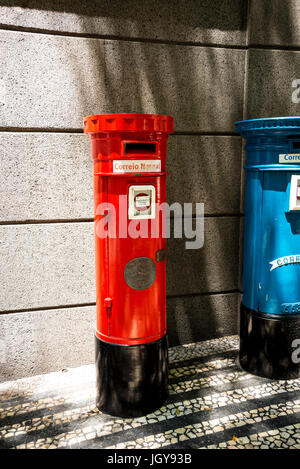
x=212 y=404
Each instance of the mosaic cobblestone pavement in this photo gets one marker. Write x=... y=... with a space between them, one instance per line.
x=212 y=404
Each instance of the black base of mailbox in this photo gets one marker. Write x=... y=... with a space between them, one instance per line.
x=267 y=345
x=132 y=380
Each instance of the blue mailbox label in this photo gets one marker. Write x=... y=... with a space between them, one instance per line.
x=289 y=158
x=285 y=261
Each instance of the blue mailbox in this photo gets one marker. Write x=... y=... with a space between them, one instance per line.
x=270 y=310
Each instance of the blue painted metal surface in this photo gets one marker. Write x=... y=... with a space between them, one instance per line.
x=271 y=275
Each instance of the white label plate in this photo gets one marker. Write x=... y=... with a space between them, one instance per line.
x=141 y=202
x=137 y=166
x=285 y=261
x=295 y=192
x=289 y=158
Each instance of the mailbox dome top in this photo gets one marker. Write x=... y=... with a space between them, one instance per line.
x=275 y=124
x=128 y=123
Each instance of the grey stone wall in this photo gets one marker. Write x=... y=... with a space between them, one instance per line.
x=203 y=62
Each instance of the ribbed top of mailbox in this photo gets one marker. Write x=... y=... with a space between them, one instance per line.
x=128 y=123
x=268 y=125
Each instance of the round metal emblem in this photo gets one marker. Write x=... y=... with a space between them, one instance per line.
x=140 y=273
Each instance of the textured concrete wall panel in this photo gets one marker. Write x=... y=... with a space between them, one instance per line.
x=210 y=269
x=42 y=341
x=197 y=318
x=275 y=22
x=202 y=88
x=45 y=176
x=271 y=77
x=205 y=169
x=53 y=264
x=46 y=265
x=49 y=176
x=208 y=21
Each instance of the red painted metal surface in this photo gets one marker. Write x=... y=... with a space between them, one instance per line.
x=128 y=316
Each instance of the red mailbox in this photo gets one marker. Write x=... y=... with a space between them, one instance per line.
x=129 y=153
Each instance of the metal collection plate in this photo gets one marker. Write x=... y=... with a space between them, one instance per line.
x=140 y=273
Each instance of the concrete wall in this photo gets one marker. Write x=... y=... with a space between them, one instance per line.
x=62 y=60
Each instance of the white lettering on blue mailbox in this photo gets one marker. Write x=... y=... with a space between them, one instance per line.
x=289 y=158
x=285 y=261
